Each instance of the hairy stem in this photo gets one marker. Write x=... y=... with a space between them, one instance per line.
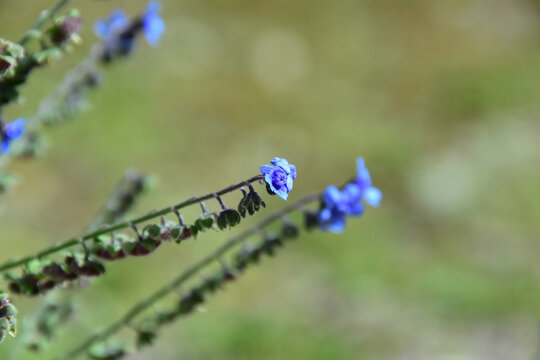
x=187 y=274
x=109 y=229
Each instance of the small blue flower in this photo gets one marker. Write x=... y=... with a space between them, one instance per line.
x=114 y=25
x=337 y=205
x=10 y=132
x=153 y=25
x=109 y=30
x=370 y=194
x=279 y=176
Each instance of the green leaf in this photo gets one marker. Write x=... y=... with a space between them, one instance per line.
x=206 y=221
x=145 y=338
x=176 y=232
x=311 y=219
x=148 y=243
x=289 y=230
x=233 y=217
x=129 y=245
x=222 y=221
x=153 y=230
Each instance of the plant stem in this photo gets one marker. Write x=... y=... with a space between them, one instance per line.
x=108 y=229
x=184 y=276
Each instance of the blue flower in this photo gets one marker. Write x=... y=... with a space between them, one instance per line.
x=370 y=194
x=153 y=25
x=10 y=132
x=109 y=30
x=114 y=25
x=337 y=205
x=279 y=176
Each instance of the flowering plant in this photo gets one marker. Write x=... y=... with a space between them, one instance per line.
x=109 y=237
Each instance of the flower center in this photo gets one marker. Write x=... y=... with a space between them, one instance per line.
x=279 y=179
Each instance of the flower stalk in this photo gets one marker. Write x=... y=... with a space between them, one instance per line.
x=172 y=286
x=123 y=225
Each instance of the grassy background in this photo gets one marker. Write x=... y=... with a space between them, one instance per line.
x=441 y=98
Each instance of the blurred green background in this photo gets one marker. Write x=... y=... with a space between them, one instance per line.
x=439 y=97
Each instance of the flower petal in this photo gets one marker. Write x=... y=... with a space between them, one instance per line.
x=268 y=178
x=153 y=7
x=282 y=163
x=352 y=193
x=293 y=171
x=362 y=178
x=266 y=169
x=118 y=20
x=331 y=196
x=153 y=28
x=325 y=215
x=337 y=223
x=282 y=194
x=15 y=129
x=289 y=183
x=5 y=145
x=357 y=209
x=373 y=196
x=101 y=29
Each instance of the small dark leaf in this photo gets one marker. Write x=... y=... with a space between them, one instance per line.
x=144 y=247
x=45 y=286
x=176 y=232
x=92 y=268
x=186 y=234
x=233 y=217
x=250 y=203
x=255 y=199
x=128 y=246
x=222 y=221
x=194 y=230
x=72 y=264
x=145 y=338
x=270 y=243
x=311 y=219
x=55 y=271
x=205 y=221
x=289 y=230
x=165 y=317
x=152 y=230
x=242 y=207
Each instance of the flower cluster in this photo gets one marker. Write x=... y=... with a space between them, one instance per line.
x=118 y=32
x=10 y=132
x=279 y=177
x=338 y=204
x=7 y=317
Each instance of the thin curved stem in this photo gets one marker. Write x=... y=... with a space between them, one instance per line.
x=122 y=225
x=187 y=274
